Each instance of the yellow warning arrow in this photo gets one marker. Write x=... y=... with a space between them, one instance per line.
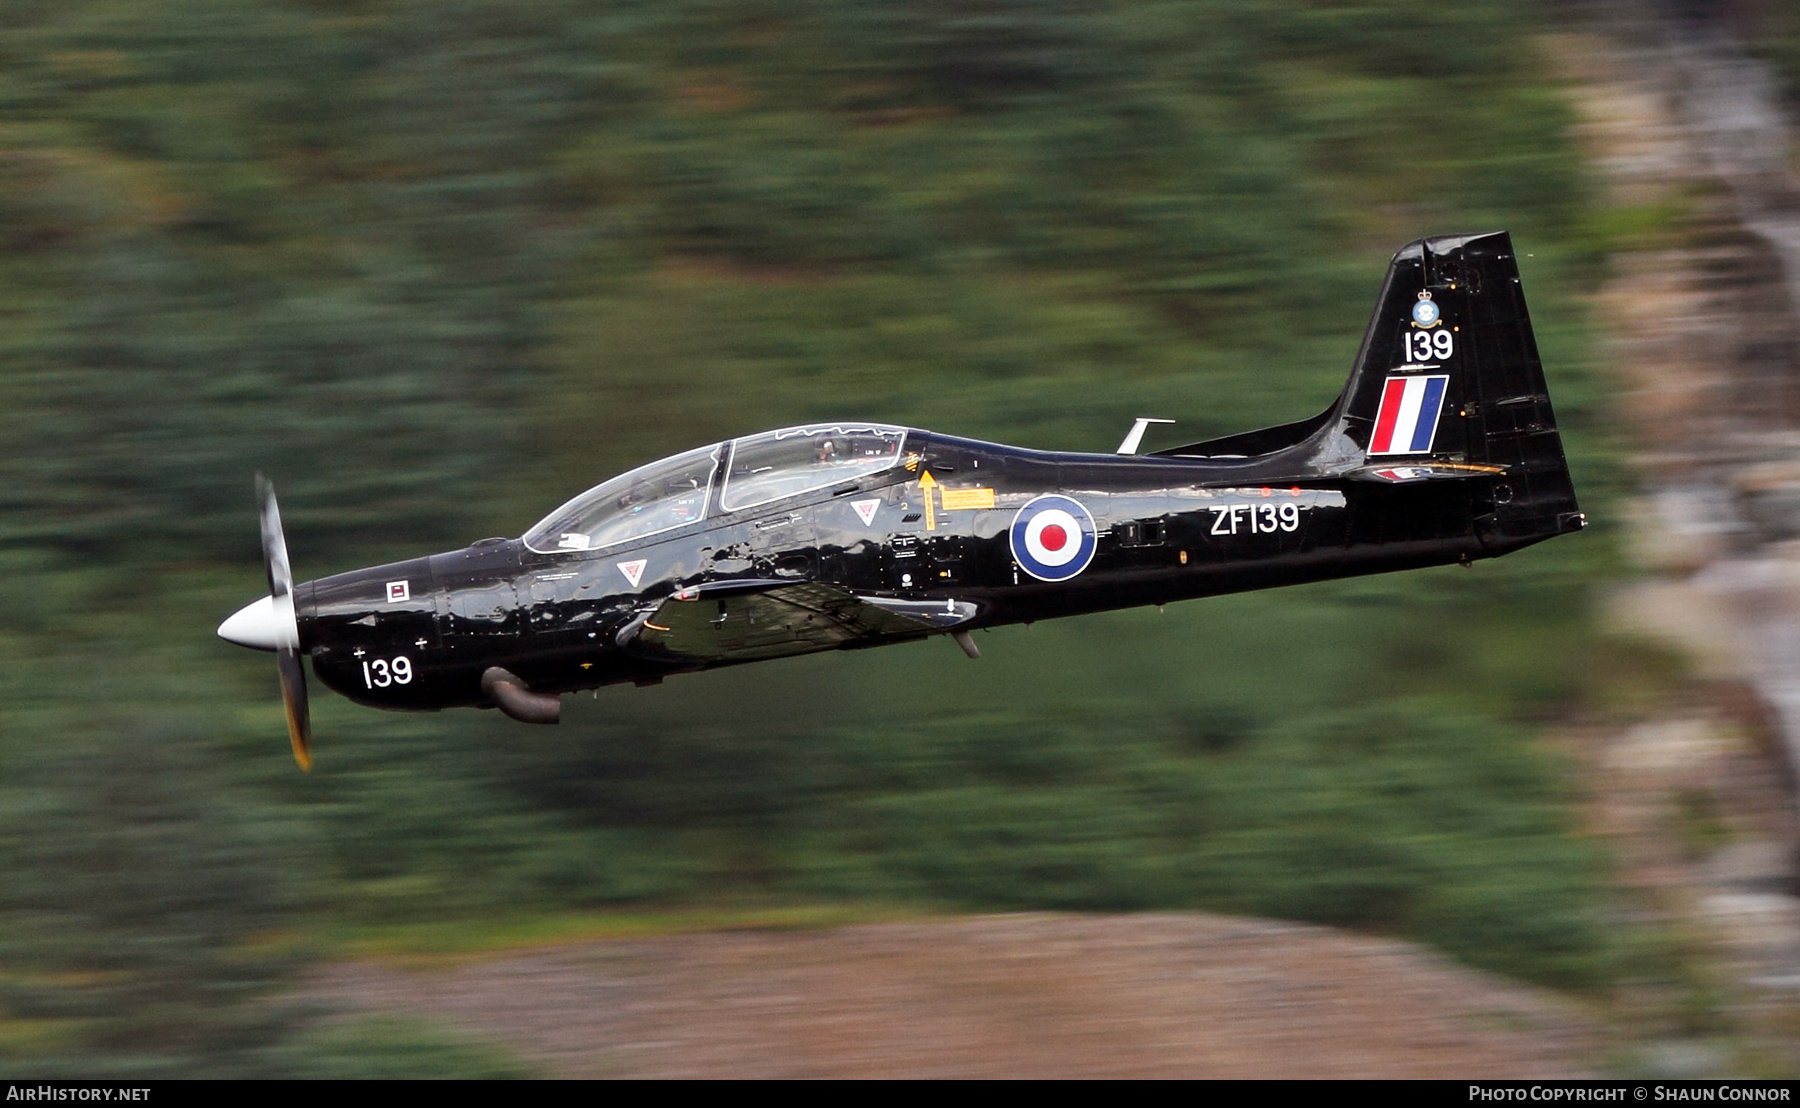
x=926 y=484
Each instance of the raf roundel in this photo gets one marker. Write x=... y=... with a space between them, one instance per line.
x=1053 y=538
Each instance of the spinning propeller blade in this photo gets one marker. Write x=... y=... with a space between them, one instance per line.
x=287 y=628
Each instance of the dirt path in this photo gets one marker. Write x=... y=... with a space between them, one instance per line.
x=1166 y=995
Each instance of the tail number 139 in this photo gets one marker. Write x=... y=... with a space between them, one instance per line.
x=1427 y=346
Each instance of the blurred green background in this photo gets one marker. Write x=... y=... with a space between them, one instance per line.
x=437 y=266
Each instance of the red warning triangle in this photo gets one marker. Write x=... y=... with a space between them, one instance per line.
x=633 y=571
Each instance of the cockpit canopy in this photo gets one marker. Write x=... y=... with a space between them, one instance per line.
x=757 y=470
x=778 y=464
x=649 y=499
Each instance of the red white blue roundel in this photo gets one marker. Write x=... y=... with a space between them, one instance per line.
x=1053 y=538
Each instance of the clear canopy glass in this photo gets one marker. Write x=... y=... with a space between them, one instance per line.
x=650 y=499
x=779 y=464
x=668 y=494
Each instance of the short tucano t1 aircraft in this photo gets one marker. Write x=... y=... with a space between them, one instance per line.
x=839 y=535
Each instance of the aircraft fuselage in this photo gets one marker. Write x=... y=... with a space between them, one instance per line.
x=940 y=531
x=1442 y=447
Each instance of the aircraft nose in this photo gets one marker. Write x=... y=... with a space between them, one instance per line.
x=254 y=625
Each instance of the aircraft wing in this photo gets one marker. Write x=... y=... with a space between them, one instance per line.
x=743 y=621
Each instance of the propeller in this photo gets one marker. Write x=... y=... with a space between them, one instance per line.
x=287 y=628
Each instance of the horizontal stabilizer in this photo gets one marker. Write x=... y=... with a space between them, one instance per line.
x=1436 y=471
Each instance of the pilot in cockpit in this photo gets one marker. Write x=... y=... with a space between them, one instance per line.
x=649 y=512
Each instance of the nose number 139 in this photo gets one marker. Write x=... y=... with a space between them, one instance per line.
x=381 y=673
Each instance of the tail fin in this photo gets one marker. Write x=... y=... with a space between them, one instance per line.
x=1448 y=380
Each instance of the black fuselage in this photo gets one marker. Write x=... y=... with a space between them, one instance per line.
x=1164 y=529
x=1442 y=447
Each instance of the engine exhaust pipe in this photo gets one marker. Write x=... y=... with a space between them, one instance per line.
x=515 y=698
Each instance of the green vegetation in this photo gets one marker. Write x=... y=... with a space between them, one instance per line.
x=437 y=943
x=395 y=1050
x=435 y=266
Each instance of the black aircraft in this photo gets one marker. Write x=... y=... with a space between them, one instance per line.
x=839 y=535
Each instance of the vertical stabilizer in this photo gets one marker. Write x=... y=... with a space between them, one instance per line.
x=1449 y=375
